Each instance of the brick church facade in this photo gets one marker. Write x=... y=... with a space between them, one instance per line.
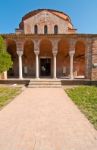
x=46 y=45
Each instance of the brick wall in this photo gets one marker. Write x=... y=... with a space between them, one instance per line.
x=45 y=18
x=94 y=59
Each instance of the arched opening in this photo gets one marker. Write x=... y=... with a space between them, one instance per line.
x=36 y=29
x=63 y=63
x=79 y=59
x=29 y=59
x=55 y=29
x=11 y=49
x=45 y=61
x=45 y=29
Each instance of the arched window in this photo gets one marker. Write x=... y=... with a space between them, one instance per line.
x=55 y=29
x=45 y=29
x=35 y=29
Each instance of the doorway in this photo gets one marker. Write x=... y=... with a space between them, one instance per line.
x=45 y=67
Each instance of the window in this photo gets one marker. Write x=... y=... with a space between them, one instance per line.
x=35 y=29
x=45 y=29
x=55 y=29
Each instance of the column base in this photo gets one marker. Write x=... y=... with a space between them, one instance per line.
x=55 y=78
x=37 y=78
x=71 y=78
x=20 y=78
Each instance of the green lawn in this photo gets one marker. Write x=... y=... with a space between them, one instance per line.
x=85 y=97
x=7 y=94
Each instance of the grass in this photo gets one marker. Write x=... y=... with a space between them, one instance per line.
x=7 y=94
x=85 y=97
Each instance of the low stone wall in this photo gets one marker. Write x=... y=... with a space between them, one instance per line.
x=63 y=82
x=10 y=82
x=78 y=82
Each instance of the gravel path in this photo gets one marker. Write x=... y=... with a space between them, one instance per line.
x=45 y=119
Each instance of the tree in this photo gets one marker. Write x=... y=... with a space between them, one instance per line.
x=5 y=58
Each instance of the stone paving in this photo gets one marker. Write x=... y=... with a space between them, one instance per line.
x=45 y=119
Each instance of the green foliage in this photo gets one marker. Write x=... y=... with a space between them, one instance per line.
x=5 y=58
x=85 y=97
x=2 y=44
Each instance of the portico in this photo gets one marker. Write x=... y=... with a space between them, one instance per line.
x=52 y=59
x=44 y=57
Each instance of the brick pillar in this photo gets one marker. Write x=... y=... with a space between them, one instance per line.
x=94 y=60
x=88 y=59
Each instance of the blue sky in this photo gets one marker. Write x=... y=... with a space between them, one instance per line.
x=83 y=13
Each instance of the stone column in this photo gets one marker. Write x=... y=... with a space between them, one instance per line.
x=71 y=53
x=20 y=47
x=54 y=60
x=5 y=75
x=20 y=53
x=36 y=51
x=54 y=51
x=37 y=64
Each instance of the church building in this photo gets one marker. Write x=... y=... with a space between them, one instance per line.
x=47 y=45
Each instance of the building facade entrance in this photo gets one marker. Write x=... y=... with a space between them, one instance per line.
x=45 y=67
x=50 y=49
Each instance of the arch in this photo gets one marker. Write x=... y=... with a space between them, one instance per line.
x=45 y=29
x=45 y=48
x=63 y=58
x=29 y=59
x=11 y=49
x=36 y=29
x=56 y=29
x=79 y=59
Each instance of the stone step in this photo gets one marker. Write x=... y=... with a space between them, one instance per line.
x=44 y=83
x=44 y=80
x=44 y=86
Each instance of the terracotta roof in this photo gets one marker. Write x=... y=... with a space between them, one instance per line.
x=55 y=12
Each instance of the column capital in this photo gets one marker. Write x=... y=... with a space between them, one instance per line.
x=19 y=52
x=54 y=41
x=36 y=52
x=71 y=53
x=72 y=44
x=36 y=44
x=54 y=44
x=55 y=53
x=20 y=45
